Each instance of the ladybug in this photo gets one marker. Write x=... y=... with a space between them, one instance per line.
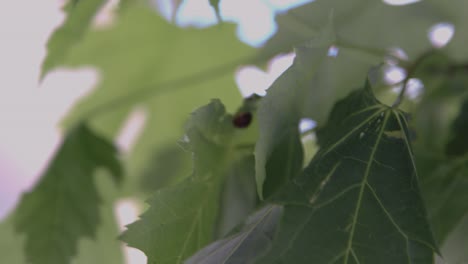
x=242 y=119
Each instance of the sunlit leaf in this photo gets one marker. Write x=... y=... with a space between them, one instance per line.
x=65 y=202
x=164 y=70
x=358 y=200
x=79 y=17
x=244 y=246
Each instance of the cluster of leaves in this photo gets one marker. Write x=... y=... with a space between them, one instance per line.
x=384 y=185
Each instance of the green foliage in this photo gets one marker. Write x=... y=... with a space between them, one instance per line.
x=381 y=179
x=181 y=219
x=79 y=17
x=63 y=206
x=345 y=200
x=244 y=246
x=165 y=77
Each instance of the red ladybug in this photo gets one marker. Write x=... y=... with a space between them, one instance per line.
x=242 y=119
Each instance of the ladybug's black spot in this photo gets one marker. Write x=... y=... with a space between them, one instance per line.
x=242 y=119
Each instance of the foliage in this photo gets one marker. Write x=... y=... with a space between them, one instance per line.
x=386 y=182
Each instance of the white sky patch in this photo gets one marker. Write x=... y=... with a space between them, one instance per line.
x=333 y=51
x=197 y=13
x=127 y=211
x=306 y=124
x=282 y=5
x=131 y=129
x=255 y=18
x=414 y=88
x=441 y=34
x=251 y=79
x=394 y=74
x=400 y=2
x=396 y=53
x=106 y=16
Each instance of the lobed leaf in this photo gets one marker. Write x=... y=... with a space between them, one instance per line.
x=182 y=218
x=79 y=15
x=64 y=206
x=358 y=201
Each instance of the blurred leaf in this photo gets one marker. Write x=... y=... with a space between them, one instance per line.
x=358 y=200
x=63 y=206
x=11 y=243
x=181 y=218
x=244 y=246
x=439 y=145
x=215 y=5
x=444 y=187
x=168 y=71
x=458 y=143
x=239 y=195
x=455 y=248
x=370 y=26
x=79 y=15
x=175 y=8
x=104 y=248
x=168 y=165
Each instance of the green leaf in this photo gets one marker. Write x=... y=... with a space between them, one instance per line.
x=440 y=148
x=147 y=63
x=239 y=195
x=308 y=89
x=181 y=218
x=167 y=166
x=370 y=26
x=455 y=248
x=215 y=5
x=103 y=249
x=444 y=187
x=244 y=246
x=79 y=15
x=64 y=206
x=358 y=201
x=458 y=144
